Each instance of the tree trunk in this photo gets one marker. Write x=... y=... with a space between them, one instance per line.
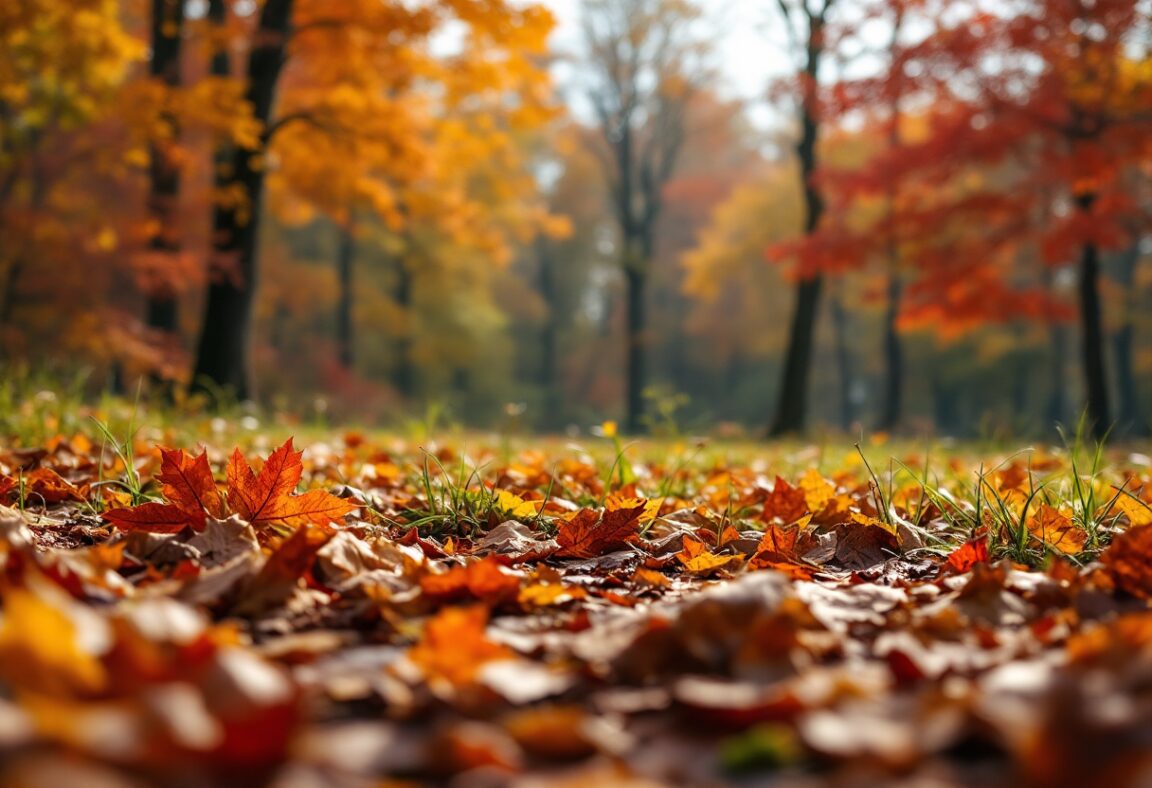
x=634 y=413
x=222 y=356
x=893 y=400
x=345 y=256
x=164 y=172
x=791 y=408
x=1092 y=335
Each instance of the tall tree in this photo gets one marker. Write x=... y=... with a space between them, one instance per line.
x=62 y=73
x=643 y=65
x=358 y=125
x=1054 y=94
x=164 y=170
x=222 y=356
x=806 y=23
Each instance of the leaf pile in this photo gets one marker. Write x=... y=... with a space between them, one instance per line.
x=543 y=624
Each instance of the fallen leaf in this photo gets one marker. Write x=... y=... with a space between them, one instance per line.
x=963 y=558
x=1057 y=530
x=697 y=560
x=267 y=498
x=188 y=485
x=40 y=650
x=1129 y=561
x=485 y=580
x=785 y=503
x=455 y=646
x=589 y=534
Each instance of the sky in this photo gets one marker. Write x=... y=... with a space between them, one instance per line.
x=746 y=55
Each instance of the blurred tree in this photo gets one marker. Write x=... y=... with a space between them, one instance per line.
x=360 y=123
x=1054 y=95
x=644 y=62
x=805 y=23
x=63 y=68
x=167 y=30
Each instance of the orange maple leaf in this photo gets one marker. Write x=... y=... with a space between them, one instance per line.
x=779 y=544
x=188 y=485
x=1057 y=530
x=266 y=498
x=262 y=499
x=589 y=534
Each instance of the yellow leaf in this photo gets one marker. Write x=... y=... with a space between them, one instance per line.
x=651 y=506
x=548 y=594
x=875 y=522
x=1138 y=512
x=1057 y=530
x=515 y=506
x=40 y=651
x=698 y=561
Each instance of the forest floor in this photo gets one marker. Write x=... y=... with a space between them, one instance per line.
x=495 y=611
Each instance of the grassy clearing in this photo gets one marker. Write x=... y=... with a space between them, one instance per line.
x=940 y=492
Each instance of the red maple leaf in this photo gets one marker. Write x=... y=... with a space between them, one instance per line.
x=188 y=485
x=262 y=499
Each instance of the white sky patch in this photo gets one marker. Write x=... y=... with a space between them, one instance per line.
x=749 y=51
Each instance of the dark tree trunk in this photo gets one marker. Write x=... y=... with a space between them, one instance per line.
x=1092 y=335
x=893 y=402
x=635 y=365
x=791 y=408
x=222 y=356
x=843 y=362
x=164 y=172
x=345 y=256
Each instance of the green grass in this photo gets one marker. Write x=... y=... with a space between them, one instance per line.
x=905 y=481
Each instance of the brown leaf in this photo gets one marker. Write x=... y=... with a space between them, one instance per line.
x=157 y=518
x=588 y=534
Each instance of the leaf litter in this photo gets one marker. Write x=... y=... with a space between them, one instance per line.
x=534 y=625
